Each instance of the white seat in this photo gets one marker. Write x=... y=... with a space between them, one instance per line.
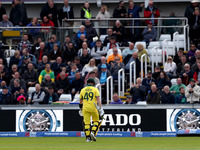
x=102 y=37
x=169 y=48
x=143 y=43
x=180 y=43
x=155 y=56
x=174 y=81
x=76 y=98
x=8 y=61
x=31 y=90
x=154 y=44
x=141 y=103
x=9 y=53
x=165 y=36
x=65 y=97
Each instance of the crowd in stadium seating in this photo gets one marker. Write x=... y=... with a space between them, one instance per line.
x=56 y=68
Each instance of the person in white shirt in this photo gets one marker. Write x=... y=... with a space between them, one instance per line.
x=170 y=68
x=89 y=67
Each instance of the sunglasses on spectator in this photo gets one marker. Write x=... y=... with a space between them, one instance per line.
x=117 y=59
x=169 y=59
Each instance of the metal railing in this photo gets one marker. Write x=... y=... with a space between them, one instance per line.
x=109 y=84
x=142 y=57
x=176 y=40
x=121 y=79
x=98 y=86
x=132 y=73
x=154 y=54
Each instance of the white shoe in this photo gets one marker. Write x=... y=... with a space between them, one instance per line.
x=93 y=137
x=88 y=140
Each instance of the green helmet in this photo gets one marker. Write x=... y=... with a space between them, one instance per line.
x=90 y=80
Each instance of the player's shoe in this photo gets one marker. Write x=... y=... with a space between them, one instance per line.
x=88 y=140
x=93 y=137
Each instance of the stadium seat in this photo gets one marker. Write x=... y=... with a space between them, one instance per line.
x=169 y=48
x=141 y=103
x=164 y=37
x=143 y=43
x=179 y=40
x=76 y=98
x=156 y=56
x=174 y=81
x=154 y=44
x=31 y=90
x=65 y=97
x=102 y=37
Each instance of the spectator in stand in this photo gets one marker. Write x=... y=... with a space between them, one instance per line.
x=2 y=11
x=195 y=66
x=112 y=44
x=64 y=69
x=66 y=43
x=86 y=12
x=193 y=59
x=162 y=81
x=194 y=22
x=40 y=52
x=18 y=15
x=98 y=51
x=142 y=51
x=170 y=68
x=149 y=34
x=156 y=73
x=189 y=11
x=34 y=32
x=80 y=41
x=151 y=12
x=177 y=57
x=119 y=32
x=5 y=22
x=116 y=65
x=103 y=15
x=53 y=55
x=103 y=75
x=85 y=58
x=46 y=83
x=5 y=96
x=46 y=23
x=58 y=66
x=3 y=83
x=192 y=51
x=91 y=74
x=196 y=75
x=37 y=96
x=120 y=12
x=50 y=44
x=79 y=33
x=17 y=76
x=50 y=10
x=167 y=97
x=36 y=45
x=148 y=80
x=103 y=61
x=90 y=30
x=3 y=73
x=153 y=96
x=134 y=12
x=116 y=99
x=22 y=97
x=89 y=67
x=72 y=72
x=107 y=38
x=14 y=59
x=181 y=65
x=84 y=46
x=47 y=70
x=138 y=91
x=129 y=51
x=77 y=84
x=78 y=64
x=192 y=92
x=66 y=12
x=68 y=53
x=24 y=65
x=25 y=43
x=131 y=58
x=50 y=97
x=175 y=88
x=114 y=55
x=41 y=65
x=30 y=76
x=186 y=74
x=12 y=71
x=180 y=98
x=129 y=100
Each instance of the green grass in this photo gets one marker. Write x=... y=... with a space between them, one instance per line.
x=78 y=143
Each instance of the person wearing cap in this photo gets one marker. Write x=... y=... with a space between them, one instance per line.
x=5 y=96
x=50 y=97
x=149 y=33
x=189 y=11
x=21 y=100
x=192 y=92
x=112 y=43
x=129 y=100
x=151 y=12
x=89 y=98
x=103 y=61
x=148 y=80
x=92 y=74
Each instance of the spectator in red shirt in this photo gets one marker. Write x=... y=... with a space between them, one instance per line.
x=46 y=23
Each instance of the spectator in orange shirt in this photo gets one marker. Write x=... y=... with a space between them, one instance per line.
x=111 y=58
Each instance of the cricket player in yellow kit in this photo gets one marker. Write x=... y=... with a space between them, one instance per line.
x=89 y=97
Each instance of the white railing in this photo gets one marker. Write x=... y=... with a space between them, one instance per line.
x=165 y=48
x=154 y=54
x=98 y=86
x=176 y=41
x=121 y=78
x=186 y=34
x=142 y=57
x=109 y=84
x=131 y=71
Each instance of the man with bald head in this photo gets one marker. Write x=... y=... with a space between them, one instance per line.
x=131 y=58
x=175 y=88
x=41 y=52
x=5 y=22
x=129 y=51
x=153 y=96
